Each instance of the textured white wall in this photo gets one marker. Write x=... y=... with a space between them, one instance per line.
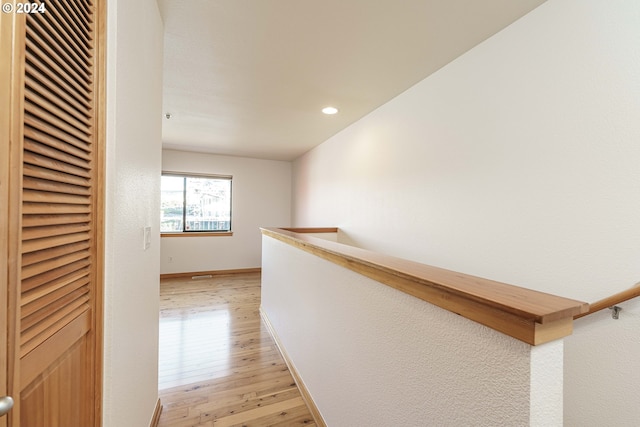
x=517 y=162
x=134 y=103
x=261 y=193
x=601 y=369
x=373 y=356
x=547 y=368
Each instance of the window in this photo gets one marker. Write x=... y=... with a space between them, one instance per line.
x=195 y=203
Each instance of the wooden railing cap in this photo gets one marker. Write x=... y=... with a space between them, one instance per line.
x=531 y=316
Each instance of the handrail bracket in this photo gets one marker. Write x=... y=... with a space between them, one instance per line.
x=615 y=312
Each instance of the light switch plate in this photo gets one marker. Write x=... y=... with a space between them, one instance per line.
x=147 y=238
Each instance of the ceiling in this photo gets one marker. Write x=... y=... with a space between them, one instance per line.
x=250 y=77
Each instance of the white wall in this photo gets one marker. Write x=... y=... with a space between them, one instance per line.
x=601 y=369
x=371 y=355
x=261 y=197
x=517 y=162
x=134 y=104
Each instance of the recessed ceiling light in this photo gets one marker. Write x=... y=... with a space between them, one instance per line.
x=330 y=110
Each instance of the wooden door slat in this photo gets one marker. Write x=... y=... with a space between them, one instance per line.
x=40 y=331
x=52 y=264
x=54 y=153
x=56 y=322
x=75 y=23
x=29 y=221
x=45 y=116
x=86 y=9
x=49 y=163
x=35 y=304
x=78 y=278
x=57 y=53
x=35 y=196
x=70 y=24
x=57 y=99
x=36 y=54
x=50 y=253
x=60 y=272
x=57 y=230
x=35 y=135
x=81 y=17
x=60 y=28
x=67 y=50
x=56 y=85
x=59 y=88
x=38 y=317
x=40 y=208
x=50 y=242
x=36 y=99
x=57 y=187
x=47 y=128
x=55 y=176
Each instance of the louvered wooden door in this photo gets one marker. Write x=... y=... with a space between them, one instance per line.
x=53 y=199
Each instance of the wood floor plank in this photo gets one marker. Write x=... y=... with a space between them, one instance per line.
x=242 y=383
x=244 y=417
x=190 y=375
x=239 y=404
x=218 y=365
x=226 y=364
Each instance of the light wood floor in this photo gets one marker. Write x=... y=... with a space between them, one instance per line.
x=219 y=366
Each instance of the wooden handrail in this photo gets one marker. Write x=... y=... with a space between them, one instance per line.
x=611 y=301
x=312 y=230
x=530 y=316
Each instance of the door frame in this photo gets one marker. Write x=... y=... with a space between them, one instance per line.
x=12 y=106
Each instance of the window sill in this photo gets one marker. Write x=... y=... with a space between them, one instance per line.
x=198 y=234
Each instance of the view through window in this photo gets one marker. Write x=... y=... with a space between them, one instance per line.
x=195 y=203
